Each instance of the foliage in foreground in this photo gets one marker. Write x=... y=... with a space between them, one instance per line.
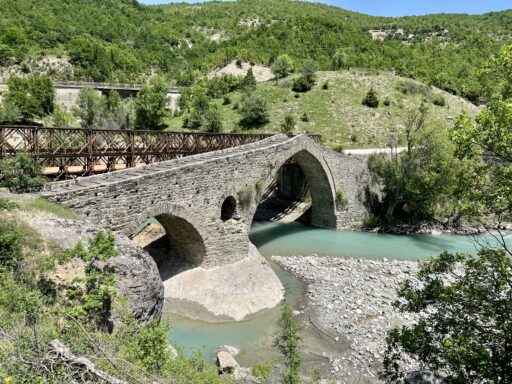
x=34 y=311
x=20 y=173
x=464 y=330
x=289 y=343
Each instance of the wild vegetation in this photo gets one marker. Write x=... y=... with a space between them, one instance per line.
x=123 y=40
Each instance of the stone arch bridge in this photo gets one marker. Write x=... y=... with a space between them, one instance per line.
x=206 y=204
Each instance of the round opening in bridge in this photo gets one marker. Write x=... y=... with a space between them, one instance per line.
x=228 y=208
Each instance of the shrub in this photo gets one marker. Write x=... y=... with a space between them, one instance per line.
x=408 y=87
x=387 y=101
x=288 y=124
x=21 y=173
x=353 y=138
x=302 y=84
x=304 y=117
x=11 y=254
x=282 y=66
x=439 y=100
x=249 y=82
x=325 y=86
x=288 y=342
x=213 y=120
x=338 y=148
x=226 y=100
x=7 y=205
x=341 y=199
x=371 y=100
x=253 y=110
x=370 y=220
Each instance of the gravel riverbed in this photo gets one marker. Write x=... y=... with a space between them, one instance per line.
x=353 y=298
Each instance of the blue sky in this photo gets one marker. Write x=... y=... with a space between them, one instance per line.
x=405 y=7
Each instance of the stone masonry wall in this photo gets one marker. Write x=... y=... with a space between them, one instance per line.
x=194 y=189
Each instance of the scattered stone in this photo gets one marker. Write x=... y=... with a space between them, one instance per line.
x=226 y=362
x=233 y=351
x=353 y=298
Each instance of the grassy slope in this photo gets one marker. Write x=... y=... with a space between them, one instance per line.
x=337 y=113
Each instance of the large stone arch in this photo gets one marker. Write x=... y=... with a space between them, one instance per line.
x=186 y=235
x=321 y=185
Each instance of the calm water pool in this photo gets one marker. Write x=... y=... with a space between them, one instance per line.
x=255 y=336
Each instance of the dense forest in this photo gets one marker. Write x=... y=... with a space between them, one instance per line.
x=123 y=40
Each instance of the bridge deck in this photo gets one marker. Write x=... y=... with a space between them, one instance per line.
x=127 y=174
x=70 y=152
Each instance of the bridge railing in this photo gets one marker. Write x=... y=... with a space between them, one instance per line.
x=68 y=152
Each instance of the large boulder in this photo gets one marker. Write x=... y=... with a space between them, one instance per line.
x=137 y=276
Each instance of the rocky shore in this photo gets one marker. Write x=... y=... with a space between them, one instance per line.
x=352 y=299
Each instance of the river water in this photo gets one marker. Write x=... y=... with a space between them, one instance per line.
x=254 y=337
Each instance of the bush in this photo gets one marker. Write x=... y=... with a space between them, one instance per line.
x=325 y=86
x=253 y=110
x=249 y=82
x=7 y=205
x=213 y=120
x=371 y=100
x=34 y=96
x=282 y=66
x=439 y=100
x=387 y=101
x=341 y=199
x=304 y=117
x=21 y=173
x=226 y=100
x=408 y=87
x=288 y=124
x=11 y=254
x=370 y=220
x=302 y=84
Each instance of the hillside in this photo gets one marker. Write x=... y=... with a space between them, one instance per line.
x=338 y=114
x=122 y=40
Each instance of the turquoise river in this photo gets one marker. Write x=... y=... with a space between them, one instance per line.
x=254 y=336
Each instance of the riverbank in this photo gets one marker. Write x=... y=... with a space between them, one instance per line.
x=352 y=300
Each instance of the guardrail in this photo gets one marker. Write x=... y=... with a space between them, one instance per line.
x=71 y=152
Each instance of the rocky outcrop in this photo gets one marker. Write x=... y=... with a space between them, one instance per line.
x=137 y=277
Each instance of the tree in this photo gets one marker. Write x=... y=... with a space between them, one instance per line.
x=487 y=142
x=288 y=124
x=151 y=106
x=307 y=77
x=213 y=119
x=282 y=66
x=253 y=109
x=417 y=180
x=288 y=342
x=464 y=327
x=89 y=108
x=371 y=100
x=21 y=173
x=9 y=113
x=249 y=82
x=339 y=59
x=33 y=97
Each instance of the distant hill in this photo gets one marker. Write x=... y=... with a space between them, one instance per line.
x=337 y=113
x=122 y=40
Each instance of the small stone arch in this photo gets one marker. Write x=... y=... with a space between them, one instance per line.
x=184 y=232
x=321 y=186
x=228 y=208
